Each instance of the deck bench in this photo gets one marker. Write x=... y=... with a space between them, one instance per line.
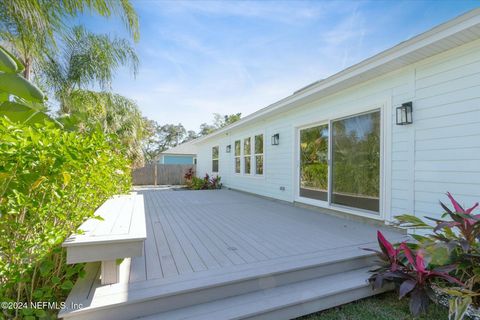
x=120 y=233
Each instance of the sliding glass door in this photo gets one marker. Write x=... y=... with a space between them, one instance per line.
x=314 y=162
x=356 y=161
x=354 y=150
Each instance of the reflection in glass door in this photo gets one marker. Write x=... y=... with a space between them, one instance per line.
x=314 y=162
x=356 y=161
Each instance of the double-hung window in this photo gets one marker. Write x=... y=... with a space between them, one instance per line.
x=258 y=154
x=215 y=158
x=237 y=156
x=247 y=153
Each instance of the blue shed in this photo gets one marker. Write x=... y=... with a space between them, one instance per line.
x=184 y=153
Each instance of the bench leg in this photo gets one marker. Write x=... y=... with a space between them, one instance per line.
x=110 y=272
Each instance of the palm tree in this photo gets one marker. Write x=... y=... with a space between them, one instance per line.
x=111 y=113
x=30 y=27
x=89 y=61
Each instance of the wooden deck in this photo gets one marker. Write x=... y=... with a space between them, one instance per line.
x=198 y=240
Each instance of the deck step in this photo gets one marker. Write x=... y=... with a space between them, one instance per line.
x=284 y=302
x=160 y=298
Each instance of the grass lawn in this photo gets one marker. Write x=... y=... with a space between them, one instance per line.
x=382 y=307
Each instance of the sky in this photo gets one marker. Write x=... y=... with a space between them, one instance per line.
x=203 y=57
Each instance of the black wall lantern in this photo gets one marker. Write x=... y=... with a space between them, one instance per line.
x=404 y=114
x=276 y=139
x=229 y=148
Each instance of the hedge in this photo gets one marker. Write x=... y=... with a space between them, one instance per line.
x=51 y=181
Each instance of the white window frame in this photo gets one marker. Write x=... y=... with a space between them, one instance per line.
x=246 y=156
x=217 y=159
x=235 y=157
x=254 y=155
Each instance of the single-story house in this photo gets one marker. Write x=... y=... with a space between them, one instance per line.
x=387 y=136
x=185 y=153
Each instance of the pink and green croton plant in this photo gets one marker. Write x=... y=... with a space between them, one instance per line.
x=414 y=273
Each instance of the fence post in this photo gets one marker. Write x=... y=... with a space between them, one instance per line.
x=155 y=174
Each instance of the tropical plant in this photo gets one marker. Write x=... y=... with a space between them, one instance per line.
x=90 y=60
x=189 y=175
x=467 y=225
x=31 y=28
x=454 y=241
x=87 y=60
x=20 y=100
x=410 y=273
x=459 y=237
x=205 y=183
x=111 y=114
x=51 y=180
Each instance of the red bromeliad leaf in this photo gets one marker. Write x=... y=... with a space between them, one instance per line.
x=469 y=210
x=408 y=254
x=418 y=263
x=456 y=206
x=384 y=244
x=463 y=219
x=389 y=251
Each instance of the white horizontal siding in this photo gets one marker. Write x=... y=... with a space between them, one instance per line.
x=447 y=130
x=440 y=152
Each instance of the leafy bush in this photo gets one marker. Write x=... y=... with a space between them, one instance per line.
x=451 y=248
x=205 y=183
x=50 y=182
x=410 y=273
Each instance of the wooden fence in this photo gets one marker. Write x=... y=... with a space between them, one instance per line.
x=161 y=174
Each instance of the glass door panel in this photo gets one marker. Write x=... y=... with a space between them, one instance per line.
x=314 y=162
x=356 y=161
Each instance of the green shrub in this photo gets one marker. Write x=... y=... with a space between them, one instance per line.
x=51 y=181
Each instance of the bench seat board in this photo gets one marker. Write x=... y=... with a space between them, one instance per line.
x=119 y=234
x=104 y=251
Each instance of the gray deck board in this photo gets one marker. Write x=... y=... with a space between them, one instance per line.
x=153 y=267
x=245 y=235
x=190 y=235
x=208 y=232
x=164 y=252
x=196 y=262
x=206 y=252
x=209 y=241
x=232 y=237
x=195 y=231
x=182 y=263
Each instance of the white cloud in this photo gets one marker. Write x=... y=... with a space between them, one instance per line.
x=200 y=59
